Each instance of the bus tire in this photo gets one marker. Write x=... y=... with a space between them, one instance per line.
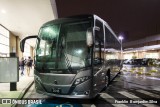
x=109 y=76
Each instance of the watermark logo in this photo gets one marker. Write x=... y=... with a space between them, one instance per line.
x=6 y=101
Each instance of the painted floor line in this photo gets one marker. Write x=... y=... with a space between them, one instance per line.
x=111 y=100
x=148 y=93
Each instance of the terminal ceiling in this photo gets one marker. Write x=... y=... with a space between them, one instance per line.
x=25 y=17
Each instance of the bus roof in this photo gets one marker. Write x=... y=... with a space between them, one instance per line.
x=79 y=18
x=68 y=19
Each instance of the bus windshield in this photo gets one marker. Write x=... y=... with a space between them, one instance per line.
x=62 y=48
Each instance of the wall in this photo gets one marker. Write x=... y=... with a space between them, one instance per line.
x=32 y=52
x=19 y=53
x=13 y=43
x=15 y=46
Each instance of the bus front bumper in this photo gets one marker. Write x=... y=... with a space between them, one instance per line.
x=82 y=91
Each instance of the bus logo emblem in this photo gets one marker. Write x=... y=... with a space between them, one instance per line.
x=55 y=81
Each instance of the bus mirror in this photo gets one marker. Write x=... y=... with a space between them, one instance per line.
x=89 y=37
x=22 y=43
x=97 y=28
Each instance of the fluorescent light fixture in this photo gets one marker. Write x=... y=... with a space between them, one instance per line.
x=144 y=48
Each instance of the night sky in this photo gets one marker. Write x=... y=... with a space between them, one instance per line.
x=134 y=19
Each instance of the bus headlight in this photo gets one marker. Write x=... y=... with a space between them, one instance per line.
x=80 y=80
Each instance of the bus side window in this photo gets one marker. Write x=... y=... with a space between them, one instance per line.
x=99 y=43
x=113 y=48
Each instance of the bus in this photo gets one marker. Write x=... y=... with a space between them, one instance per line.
x=75 y=57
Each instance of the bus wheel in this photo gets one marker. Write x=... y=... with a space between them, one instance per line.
x=106 y=79
x=109 y=76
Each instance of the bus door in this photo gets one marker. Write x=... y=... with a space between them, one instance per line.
x=98 y=59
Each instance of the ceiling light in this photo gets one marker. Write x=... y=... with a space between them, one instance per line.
x=3 y=11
